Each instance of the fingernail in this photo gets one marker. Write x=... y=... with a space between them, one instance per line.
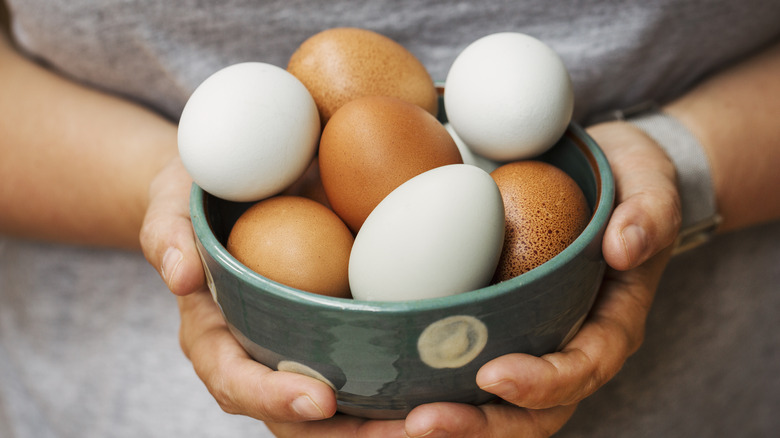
x=432 y=433
x=170 y=263
x=503 y=388
x=307 y=408
x=635 y=243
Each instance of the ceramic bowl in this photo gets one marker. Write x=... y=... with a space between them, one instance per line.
x=384 y=358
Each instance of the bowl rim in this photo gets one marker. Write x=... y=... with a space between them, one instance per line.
x=260 y=284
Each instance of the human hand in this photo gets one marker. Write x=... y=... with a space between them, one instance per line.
x=539 y=394
x=167 y=237
x=239 y=384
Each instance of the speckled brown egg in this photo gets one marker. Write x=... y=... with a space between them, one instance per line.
x=294 y=241
x=374 y=144
x=341 y=64
x=545 y=212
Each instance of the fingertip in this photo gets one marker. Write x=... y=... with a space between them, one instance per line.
x=626 y=248
x=501 y=378
x=182 y=273
x=308 y=409
x=193 y=276
x=489 y=375
x=171 y=261
x=420 y=423
x=248 y=388
x=438 y=419
x=626 y=243
x=307 y=398
x=635 y=244
x=182 y=265
x=324 y=399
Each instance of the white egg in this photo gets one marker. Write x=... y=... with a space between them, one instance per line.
x=508 y=96
x=438 y=234
x=248 y=131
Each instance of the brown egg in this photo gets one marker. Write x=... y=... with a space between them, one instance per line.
x=294 y=241
x=341 y=64
x=374 y=144
x=545 y=211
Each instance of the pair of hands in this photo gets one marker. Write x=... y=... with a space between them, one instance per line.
x=539 y=393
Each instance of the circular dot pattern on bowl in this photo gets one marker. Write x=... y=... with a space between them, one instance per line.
x=452 y=342
x=295 y=367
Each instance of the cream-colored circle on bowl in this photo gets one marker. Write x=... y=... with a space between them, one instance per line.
x=452 y=342
x=297 y=367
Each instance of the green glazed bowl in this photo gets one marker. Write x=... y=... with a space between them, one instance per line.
x=384 y=358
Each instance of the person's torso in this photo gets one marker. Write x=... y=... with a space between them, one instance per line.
x=618 y=52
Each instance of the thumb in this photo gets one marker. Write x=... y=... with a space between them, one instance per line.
x=166 y=236
x=646 y=217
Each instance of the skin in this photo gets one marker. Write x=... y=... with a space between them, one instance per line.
x=109 y=163
x=132 y=192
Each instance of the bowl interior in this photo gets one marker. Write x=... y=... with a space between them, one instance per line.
x=575 y=153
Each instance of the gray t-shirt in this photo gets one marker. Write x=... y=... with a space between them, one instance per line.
x=618 y=52
x=88 y=343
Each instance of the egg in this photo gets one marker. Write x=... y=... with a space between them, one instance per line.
x=545 y=212
x=438 y=234
x=372 y=145
x=341 y=64
x=294 y=241
x=508 y=96
x=248 y=131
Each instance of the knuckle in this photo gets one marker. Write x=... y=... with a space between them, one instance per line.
x=225 y=402
x=150 y=232
x=670 y=210
x=661 y=207
x=146 y=237
x=220 y=389
x=214 y=373
x=595 y=377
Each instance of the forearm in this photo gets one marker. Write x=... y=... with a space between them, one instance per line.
x=736 y=116
x=75 y=163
